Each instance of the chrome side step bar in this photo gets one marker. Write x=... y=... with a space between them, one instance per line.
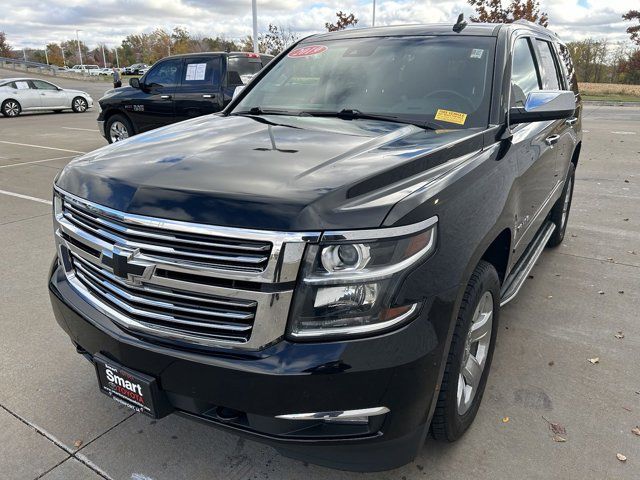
x=520 y=272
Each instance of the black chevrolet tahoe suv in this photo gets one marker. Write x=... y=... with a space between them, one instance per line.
x=321 y=266
x=176 y=88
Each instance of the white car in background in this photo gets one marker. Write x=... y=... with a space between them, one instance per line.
x=88 y=69
x=19 y=95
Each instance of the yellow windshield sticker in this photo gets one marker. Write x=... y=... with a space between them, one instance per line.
x=451 y=117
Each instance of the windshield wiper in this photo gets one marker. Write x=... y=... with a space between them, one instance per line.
x=263 y=111
x=354 y=114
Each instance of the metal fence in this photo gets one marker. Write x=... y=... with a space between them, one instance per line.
x=42 y=68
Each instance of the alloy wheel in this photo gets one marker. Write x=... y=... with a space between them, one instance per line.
x=80 y=105
x=476 y=351
x=118 y=131
x=12 y=109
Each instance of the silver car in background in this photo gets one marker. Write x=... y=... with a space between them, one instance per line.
x=19 y=95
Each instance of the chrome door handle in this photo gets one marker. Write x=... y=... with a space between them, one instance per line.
x=552 y=140
x=165 y=97
x=571 y=121
x=207 y=95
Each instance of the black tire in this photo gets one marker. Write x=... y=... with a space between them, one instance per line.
x=560 y=212
x=79 y=105
x=449 y=423
x=121 y=122
x=11 y=108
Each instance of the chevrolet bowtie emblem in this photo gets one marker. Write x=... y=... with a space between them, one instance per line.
x=122 y=263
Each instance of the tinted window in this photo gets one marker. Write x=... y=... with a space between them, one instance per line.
x=201 y=71
x=417 y=79
x=41 y=85
x=165 y=74
x=240 y=69
x=524 y=76
x=10 y=85
x=550 y=77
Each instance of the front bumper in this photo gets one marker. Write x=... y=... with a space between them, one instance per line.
x=246 y=391
x=101 y=128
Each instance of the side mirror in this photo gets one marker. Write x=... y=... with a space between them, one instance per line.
x=544 y=105
x=237 y=91
x=134 y=82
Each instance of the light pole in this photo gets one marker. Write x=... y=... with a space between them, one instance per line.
x=117 y=59
x=46 y=56
x=104 y=59
x=254 y=9
x=373 y=22
x=79 y=51
x=64 y=61
x=24 y=54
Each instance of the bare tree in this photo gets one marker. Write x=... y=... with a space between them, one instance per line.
x=344 y=21
x=493 y=11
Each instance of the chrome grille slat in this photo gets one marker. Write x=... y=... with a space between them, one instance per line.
x=159 y=316
x=159 y=304
x=170 y=238
x=172 y=280
x=243 y=261
x=167 y=293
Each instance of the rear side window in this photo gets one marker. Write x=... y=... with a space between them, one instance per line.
x=40 y=85
x=524 y=75
x=201 y=71
x=241 y=69
x=10 y=85
x=165 y=74
x=550 y=77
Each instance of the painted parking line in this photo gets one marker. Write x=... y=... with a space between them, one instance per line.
x=35 y=161
x=40 y=146
x=83 y=129
x=26 y=197
x=623 y=133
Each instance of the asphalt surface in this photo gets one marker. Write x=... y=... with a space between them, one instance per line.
x=54 y=424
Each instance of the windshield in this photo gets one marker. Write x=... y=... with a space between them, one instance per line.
x=443 y=79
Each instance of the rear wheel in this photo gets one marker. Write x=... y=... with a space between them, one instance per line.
x=11 y=108
x=79 y=105
x=470 y=355
x=560 y=212
x=118 y=128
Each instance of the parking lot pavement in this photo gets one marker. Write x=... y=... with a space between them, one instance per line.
x=54 y=424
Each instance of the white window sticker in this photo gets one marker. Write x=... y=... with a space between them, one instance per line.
x=476 y=53
x=195 y=71
x=22 y=85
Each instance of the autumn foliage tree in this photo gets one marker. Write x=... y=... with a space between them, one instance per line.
x=5 y=48
x=344 y=21
x=493 y=11
x=634 y=30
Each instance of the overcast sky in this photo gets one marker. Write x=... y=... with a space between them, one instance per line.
x=32 y=23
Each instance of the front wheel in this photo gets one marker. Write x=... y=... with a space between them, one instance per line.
x=118 y=128
x=470 y=354
x=560 y=212
x=11 y=108
x=79 y=105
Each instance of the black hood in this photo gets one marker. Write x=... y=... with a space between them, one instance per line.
x=271 y=172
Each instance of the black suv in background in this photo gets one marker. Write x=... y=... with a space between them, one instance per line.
x=322 y=265
x=174 y=89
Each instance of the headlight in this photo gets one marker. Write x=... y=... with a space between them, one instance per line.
x=349 y=280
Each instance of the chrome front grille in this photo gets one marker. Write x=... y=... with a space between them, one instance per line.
x=166 y=279
x=190 y=248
